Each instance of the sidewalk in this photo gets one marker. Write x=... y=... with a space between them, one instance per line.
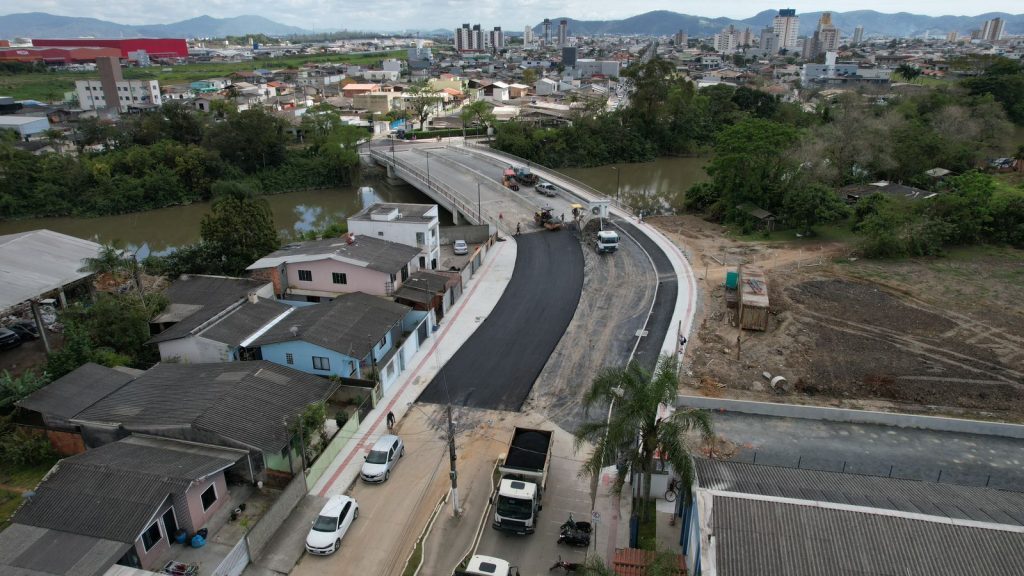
x=478 y=299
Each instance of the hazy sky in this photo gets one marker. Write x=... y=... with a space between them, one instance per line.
x=421 y=14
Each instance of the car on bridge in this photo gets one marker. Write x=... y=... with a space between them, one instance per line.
x=547 y=189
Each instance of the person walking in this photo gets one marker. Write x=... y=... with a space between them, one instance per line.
x=391 y=421
x=517 y=228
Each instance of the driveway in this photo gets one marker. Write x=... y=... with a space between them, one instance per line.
x=497 y=367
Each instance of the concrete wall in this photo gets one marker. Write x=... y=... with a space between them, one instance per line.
x=855 y=416
x=403 y=232
x=276 y=515
x=471 y=234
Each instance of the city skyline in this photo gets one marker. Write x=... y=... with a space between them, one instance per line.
x=393 y=15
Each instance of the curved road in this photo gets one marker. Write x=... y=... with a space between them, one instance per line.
x=496 y=368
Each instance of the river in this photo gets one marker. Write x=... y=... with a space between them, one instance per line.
x=159 y=231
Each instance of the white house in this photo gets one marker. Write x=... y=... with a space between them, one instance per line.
x=546 y=86
x=410 y=224
x=129 y=93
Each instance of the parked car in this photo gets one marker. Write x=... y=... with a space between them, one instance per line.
x=547 y=189
x=382 y=458
x=9 y=339
x=331 y=525
x=460 y=247
x=25 y=329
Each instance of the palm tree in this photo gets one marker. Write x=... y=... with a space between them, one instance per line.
x=115 y=262
x=634 y=430
x=908 y=71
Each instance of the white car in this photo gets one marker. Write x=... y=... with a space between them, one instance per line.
x=547 y=189
x=382 y=458
x=460 y=247
x=331 y=525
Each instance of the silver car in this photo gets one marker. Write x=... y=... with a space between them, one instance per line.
x=547 y=189
x=382 y=458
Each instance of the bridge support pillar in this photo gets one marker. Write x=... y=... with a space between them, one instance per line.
x=455 y=216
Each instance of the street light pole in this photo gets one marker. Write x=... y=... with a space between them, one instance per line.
x=479 y=210
x=427 y=154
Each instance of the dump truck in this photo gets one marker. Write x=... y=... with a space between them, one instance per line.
x=508 y=179
x=525 y=176
x=524 y=472
x=607 y=241
x=544 y=217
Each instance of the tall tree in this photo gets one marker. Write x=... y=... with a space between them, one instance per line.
x=478 y=112
x=239 y=229
x=634 y=428
x=422 y=102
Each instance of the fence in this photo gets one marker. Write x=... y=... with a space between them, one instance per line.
x=340 y=439
x=235 y=562
x=264 y=530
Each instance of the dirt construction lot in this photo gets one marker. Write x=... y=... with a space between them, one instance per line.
x=937 y=335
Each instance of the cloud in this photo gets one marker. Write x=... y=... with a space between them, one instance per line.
x=396 y=15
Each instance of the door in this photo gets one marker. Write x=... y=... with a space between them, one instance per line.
x=170 y=524
x=345 y=520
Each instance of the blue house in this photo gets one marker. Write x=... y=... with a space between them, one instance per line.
x=352 y=336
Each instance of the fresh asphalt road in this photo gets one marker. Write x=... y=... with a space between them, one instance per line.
x=496 y=368
x=872 y=449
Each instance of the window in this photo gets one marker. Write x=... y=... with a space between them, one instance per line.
x=382 y=342
x=321 y=363
x=151 y=536
x=289 y=358
x=339 y=277
x=379 y=233
x=421 y=238
x=209 y=497
x=306 y=275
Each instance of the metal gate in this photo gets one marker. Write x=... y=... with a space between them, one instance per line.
x=235 y=562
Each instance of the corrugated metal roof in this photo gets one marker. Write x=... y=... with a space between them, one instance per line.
x=36 y=262
x=754 y=537
x=200 y=298
x=949 y=500
x=243 y=401
x=70 y=394
x=415 y=213
x=351 y=324
x=111 y=492
x=245 y=321
x=33 y=551
x=366 y=251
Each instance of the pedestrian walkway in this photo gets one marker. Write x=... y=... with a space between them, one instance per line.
x=479 y=298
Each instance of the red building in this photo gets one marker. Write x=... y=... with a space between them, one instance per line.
x=60 y=55
x=154 y=47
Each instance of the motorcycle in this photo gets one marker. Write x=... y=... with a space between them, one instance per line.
x=574 y=533
x=569 y=567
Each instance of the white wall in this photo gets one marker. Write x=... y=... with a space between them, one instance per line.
x=194 y=350
x=403 y=232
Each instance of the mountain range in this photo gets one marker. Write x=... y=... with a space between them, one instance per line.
x=43 y=25
x=661 y=22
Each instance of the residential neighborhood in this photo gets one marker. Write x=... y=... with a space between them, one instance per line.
x=514 y=294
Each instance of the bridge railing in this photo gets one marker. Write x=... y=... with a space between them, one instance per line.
x=432 y=184
x=486 y=151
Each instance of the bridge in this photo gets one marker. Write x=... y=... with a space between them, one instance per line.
x=515 y=342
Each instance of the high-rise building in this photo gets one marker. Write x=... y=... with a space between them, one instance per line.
x=568 y=56
x=563 y=33
x=787 y=26
x=769 y=41
x=547 y=32
x=952 y=37
x=745 y=38
x=470 y=39
x=496 y=39
x=682 y=39
x=993 y=30
x=827 y=34
x=528 y=35
x=726 y=41
x=858 y=35
x=112 y=93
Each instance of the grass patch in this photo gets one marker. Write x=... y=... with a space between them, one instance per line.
x=836 y=232
x=647 y=535
x=413 y=563
x=51 y=86
x=9 y=502
x=24 y=477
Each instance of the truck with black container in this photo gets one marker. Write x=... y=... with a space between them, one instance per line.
x=524 y=473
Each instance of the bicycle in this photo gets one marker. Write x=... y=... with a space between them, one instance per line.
x=670 y=494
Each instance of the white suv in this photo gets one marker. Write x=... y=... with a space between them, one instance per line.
x=331 y=525
x=382 y=458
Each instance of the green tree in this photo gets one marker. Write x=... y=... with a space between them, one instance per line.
x=1004 y=80
x=751 y=165
x=14 y=388
x=529 y=76
x=239 y=228
x=634 y=429
x=252 y=140
x=808 y=205
x=422 y=102
x=476 y=113
x=908 y=71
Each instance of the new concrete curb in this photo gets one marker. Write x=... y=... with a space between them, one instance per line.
x=935 y=423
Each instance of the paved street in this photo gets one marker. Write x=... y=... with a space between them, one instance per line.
x=872 y=449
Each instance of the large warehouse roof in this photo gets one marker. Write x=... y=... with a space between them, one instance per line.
x=36 y=262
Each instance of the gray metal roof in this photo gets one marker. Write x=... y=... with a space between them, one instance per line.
x=244 y=321
x=196 y=299
x=33 y=551
x=70 y=394
x=113 y=491
x=948 y=500
x=351 y=324
x=36 y=262
x=755 y=537
x=408 y=212
x=422 y=286
x=247 y=402
x=363 y=251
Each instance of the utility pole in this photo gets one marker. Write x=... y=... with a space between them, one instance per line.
x=739 y=314
x=479 y=209
x=453 y=474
